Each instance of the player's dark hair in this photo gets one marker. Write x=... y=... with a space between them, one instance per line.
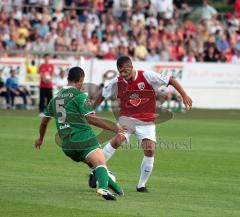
x=75 y=74
x=123 y=60
x=46 y=55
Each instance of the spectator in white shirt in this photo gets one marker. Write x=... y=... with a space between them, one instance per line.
x=164 y=8
x=61 y=81
x=208 y=12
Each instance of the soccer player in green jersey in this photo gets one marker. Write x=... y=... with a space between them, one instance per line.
x=73 y=113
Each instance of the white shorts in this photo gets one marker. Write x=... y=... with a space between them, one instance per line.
x=142 y=130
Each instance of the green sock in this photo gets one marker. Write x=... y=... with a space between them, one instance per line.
x=114 y=185
x=101 y=175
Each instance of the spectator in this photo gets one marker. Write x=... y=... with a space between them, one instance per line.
x=42 y=28
x=97 y=28
x=2 y=87
x=138 y=17
x=208 y=12
x=46 y=72
x=61 y=81
x=111 y=54
x=236 y=58
x=151 y=21
x=121 y=7
x=237 y=8
x=210 y=55
x=140 y=51
x=164 y=9
x=14 y=90
x=189 y=57
x=153 y=56
x=164 y=55
x=32 y=70
x=222 y=44
x=38 y=45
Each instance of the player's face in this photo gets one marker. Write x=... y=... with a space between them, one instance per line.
x=126 y=71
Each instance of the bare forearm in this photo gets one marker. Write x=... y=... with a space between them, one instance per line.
x=98 y=101
x=102 y=123
x=177 y=86
x=186 y=99
x=43 y=128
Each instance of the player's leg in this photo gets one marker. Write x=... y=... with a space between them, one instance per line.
x=112 y=184
x=8 y=99
x=94 y=158
x=110 y=148
x=147 y=136
x=108 y=151
x=147 y=164
x=97 y=160
x=24 y=97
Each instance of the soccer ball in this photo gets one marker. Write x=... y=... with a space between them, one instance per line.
x=47 y=78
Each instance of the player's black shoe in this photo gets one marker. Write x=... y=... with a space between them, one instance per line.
x=107 y=195
x=120 y=193
x=92 y=182
x=142 y=189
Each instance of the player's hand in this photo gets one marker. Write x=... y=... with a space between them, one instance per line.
x=38 y=143
x=121 y=129
x=187 y=102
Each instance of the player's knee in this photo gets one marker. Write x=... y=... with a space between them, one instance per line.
x=148 y=147
x=149 y=153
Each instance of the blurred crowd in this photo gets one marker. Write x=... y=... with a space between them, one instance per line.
x=147 y=30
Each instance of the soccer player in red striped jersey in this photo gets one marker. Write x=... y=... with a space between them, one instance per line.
x=136 y=91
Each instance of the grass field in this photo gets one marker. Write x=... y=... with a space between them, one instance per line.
x=202 y=180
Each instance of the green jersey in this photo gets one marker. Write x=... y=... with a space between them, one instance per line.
x=69 y=108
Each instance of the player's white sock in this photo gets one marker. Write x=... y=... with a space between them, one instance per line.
x=146 y=170
x=108 y=151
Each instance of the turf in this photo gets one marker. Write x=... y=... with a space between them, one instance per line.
x=196 y=174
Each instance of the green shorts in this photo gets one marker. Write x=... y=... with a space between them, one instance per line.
x=78 y=151
x=78 y=155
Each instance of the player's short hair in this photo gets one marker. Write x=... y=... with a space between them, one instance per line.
x=46 y=55
x=123 y=60
x=75 y=74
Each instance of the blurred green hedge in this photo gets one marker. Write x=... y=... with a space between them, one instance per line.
x=219 y=5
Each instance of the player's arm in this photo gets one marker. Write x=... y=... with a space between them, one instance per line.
x=98 y=101
x=186 y=99
x=42 y=131
x=104 y=124
x=46 y=117
x=108 y=92
x=157 y=80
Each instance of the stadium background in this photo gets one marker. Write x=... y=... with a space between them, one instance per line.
x=197 y=160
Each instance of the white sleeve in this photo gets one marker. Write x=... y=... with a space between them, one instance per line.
x=110 y=90
x=156 y=80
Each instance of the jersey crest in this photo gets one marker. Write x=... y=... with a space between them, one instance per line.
x=141 y=85
x=135 y=100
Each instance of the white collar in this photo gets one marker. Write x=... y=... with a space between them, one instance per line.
x=68 y=86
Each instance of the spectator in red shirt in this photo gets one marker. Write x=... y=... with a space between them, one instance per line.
x=46 y=71
x=111 y=54
x=237 y=8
